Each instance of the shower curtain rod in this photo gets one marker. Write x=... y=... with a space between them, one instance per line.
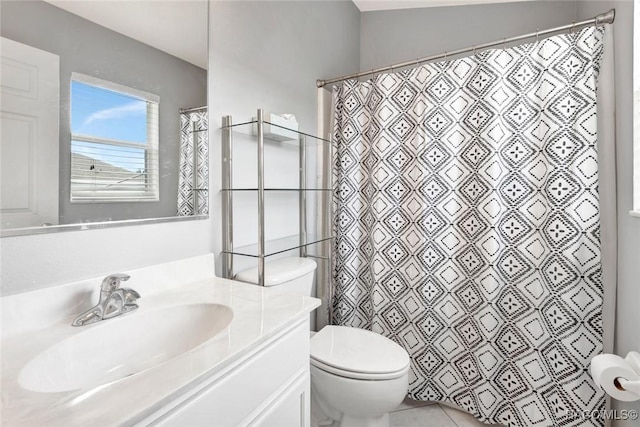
x=603 y=18
x=191 y=110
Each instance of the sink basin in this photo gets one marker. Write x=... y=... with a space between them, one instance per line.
x=117 y=348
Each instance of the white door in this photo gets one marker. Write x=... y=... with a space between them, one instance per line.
x=29 y=138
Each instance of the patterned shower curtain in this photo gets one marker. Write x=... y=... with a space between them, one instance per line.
x=466 y=219
x=193 y=181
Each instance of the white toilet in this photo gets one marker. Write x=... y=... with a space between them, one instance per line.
x=357 y=376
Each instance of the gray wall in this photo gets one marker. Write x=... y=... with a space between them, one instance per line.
x=627 y=336
x=268 y=54
x=390 y=37
x=94 y=50
x=262 y=54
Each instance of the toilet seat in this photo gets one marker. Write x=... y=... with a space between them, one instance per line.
x=358 y=375
x=358 y=354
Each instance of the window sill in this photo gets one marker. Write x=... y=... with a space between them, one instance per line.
x=635 y=213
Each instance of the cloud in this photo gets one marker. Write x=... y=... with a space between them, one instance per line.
x=132 y=109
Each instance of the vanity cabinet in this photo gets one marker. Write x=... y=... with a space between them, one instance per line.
x=172 y=368
x=268 y=386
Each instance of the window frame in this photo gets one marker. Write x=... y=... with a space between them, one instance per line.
x=151 y=147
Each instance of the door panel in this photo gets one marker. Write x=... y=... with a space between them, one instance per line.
x=29 y=137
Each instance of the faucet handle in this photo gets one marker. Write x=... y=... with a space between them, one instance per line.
x=112 y=281
x=130 y=296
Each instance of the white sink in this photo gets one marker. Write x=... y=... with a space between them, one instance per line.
x=117 y=348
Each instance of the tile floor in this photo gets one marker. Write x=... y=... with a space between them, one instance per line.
x=427 y=414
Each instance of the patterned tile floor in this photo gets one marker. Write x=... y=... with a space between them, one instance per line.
x=427 y=414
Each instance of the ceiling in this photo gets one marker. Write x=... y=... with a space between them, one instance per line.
x=177 y=27
x=371 y=5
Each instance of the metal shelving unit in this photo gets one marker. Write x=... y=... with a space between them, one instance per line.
x=263 y=248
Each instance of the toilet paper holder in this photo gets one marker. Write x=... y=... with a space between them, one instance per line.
x=618 y=377
x=623 y=384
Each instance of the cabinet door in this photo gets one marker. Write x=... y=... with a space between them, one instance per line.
x=290 y=409
x=250 y=389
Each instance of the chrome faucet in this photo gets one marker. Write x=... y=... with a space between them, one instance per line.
x=114 y=301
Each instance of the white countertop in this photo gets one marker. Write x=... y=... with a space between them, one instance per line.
x=259 y=313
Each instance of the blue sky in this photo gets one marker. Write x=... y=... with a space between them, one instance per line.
x=106 y=114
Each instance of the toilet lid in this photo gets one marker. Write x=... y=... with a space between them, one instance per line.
x=354 y=350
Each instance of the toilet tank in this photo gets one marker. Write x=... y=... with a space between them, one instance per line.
x=293 y=275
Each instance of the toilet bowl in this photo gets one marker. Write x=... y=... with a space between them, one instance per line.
x=357 y=376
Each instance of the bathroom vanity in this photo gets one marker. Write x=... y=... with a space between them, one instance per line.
x=200 y=350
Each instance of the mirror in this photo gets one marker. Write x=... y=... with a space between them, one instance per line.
x=104 y=118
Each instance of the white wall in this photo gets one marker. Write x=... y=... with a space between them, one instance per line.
x=34 y=262
x=627 y=337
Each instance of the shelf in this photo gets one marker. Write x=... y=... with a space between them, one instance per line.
x=277 y=246
x=287 y=150
x=246 y=129
x=277 y=189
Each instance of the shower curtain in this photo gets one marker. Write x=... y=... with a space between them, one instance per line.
x=467 y=226
x=193 y=181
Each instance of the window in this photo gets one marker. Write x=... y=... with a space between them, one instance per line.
x=114 y=142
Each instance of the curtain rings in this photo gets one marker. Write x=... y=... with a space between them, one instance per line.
x=504 y=43
x=537 y=39
x=573 y=27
